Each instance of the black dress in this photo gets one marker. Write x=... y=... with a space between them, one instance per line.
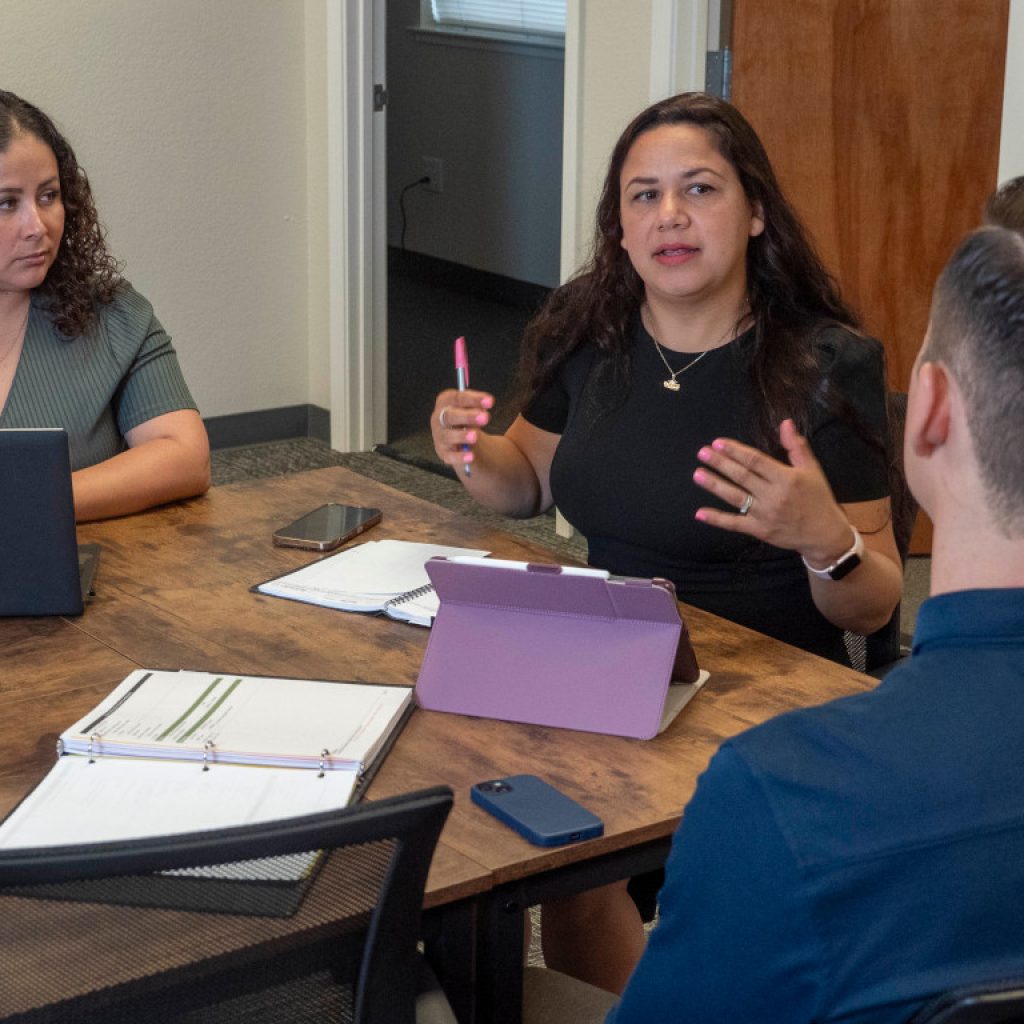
x=623 y=471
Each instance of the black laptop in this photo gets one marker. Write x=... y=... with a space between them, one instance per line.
x=42 y=569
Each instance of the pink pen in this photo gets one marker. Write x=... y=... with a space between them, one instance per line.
x=462 y=380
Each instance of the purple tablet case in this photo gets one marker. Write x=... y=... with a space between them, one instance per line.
x=546 y=648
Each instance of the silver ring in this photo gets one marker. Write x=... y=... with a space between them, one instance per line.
x=441 y=419
x=748 y=504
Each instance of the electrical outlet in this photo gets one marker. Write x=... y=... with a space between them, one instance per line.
x=433 y=168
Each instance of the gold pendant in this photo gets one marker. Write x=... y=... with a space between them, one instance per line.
x=671 y=384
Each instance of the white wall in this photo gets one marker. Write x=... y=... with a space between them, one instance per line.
x=202 y=127
x=190 y=118
x=318 y=241
x=615 y=66
x=1011 y=147
x=608 y=79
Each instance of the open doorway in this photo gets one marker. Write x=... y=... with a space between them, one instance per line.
x=474 y=251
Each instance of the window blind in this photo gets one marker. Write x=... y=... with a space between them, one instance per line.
x=547 y=16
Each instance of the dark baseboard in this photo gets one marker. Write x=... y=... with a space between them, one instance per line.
x=264 y=425
x=430 y=269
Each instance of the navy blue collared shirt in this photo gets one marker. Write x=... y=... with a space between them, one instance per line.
x=850 y=861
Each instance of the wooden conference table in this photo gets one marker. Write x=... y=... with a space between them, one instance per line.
x=173 y=592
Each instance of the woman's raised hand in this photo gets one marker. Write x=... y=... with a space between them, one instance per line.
x=790 y=506
x=456 y=422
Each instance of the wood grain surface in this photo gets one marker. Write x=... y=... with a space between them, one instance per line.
x=882 y=120
x=173 y=592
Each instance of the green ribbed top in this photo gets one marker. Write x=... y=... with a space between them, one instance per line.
x=122 y=372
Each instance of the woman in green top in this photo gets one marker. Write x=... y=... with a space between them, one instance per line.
x=79 y=347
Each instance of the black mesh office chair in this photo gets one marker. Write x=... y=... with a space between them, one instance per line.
x=312 y=918
x=880 y=651
x=999 y=1002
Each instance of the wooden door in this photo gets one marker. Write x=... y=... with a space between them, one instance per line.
x=882 y=120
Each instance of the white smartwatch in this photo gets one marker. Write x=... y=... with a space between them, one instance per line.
x=844 y=564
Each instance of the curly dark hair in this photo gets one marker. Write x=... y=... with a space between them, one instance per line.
x=84 y=275
x=791 y=294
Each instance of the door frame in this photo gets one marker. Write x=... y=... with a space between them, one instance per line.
x=356 y=184
x=356 y=233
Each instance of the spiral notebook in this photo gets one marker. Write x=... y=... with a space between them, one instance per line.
x=379 y=576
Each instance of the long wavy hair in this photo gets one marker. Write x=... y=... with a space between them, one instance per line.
x=790 y=292
x=84 y=275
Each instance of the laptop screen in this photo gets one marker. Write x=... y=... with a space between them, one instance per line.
x=38 y=551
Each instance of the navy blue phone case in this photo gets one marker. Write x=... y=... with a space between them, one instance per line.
x=536 y=810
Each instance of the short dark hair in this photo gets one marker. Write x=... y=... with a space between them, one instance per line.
x=1005 y=207
x=977 y=331
x=84 y=274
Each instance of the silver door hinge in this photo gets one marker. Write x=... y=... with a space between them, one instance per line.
x=380 y=98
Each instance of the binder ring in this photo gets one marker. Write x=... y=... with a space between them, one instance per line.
x=207 y=755
x=324 y=754
x=94 y=738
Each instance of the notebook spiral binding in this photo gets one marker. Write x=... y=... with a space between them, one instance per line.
x=411 y=595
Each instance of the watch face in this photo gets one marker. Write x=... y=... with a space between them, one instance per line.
x=846 y=566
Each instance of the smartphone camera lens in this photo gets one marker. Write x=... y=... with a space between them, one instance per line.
x=497 y=786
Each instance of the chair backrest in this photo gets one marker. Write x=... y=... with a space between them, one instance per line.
x=882 y=647
x=993 y=1003
x=161 y=928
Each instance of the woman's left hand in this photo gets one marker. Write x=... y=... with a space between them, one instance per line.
x=789 y=506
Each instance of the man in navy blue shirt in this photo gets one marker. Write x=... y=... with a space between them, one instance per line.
x=848 y=862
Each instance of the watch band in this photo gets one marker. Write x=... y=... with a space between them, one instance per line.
x=844 y=564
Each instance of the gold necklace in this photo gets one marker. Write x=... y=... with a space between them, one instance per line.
x=670 y=383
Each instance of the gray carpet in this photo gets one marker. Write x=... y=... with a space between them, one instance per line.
x=916 y=583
